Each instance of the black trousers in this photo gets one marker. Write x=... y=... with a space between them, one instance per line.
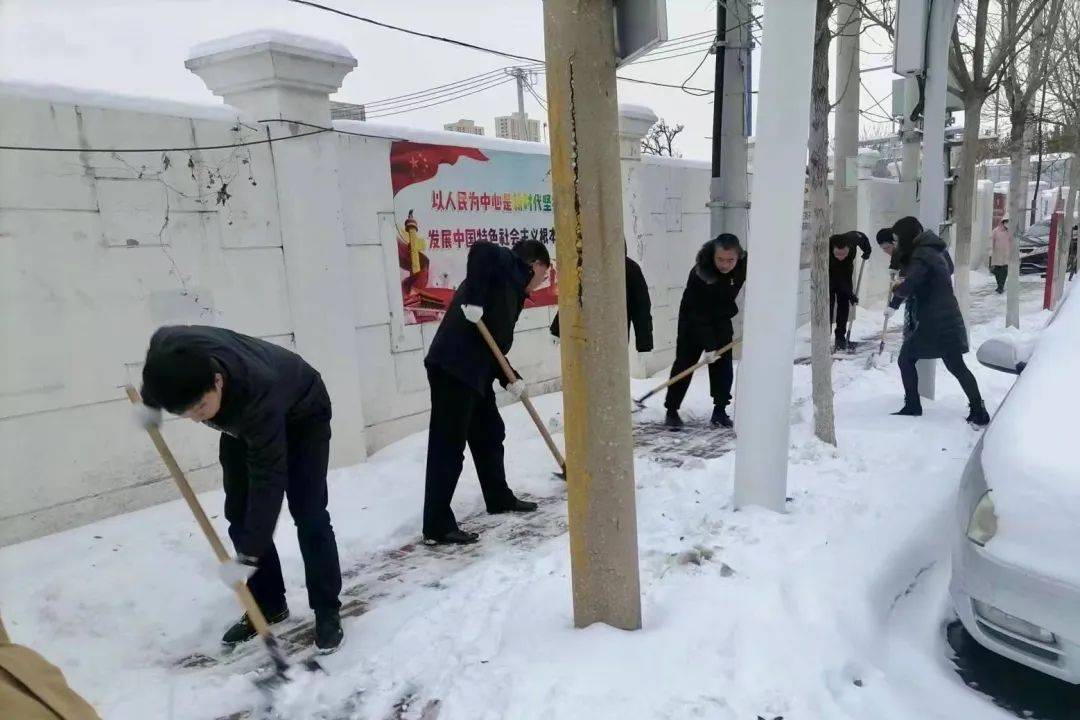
x=954 y=363
x=721 y=374
x=839 y=312
x=308 y=455
x=461 y=416
x=1001 y=273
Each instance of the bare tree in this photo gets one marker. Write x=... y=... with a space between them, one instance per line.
x=661 y=139
x=1064 y=84
x=982 y=47
x=1023 y=77
x=820 y=226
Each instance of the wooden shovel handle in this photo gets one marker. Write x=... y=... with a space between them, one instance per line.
x=258 y=621
x=688 y=371
x=511 y=377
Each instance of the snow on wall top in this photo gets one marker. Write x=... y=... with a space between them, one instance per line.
x=102 y=99
x=440 y=137
x=266 y=36
x=1029 y=455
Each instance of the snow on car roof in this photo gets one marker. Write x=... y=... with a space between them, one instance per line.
x=1030 y=458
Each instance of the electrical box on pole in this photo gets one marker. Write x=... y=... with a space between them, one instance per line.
x=909 y=56
x=640 y=25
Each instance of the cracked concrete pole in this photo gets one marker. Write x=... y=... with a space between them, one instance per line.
x=586 y=180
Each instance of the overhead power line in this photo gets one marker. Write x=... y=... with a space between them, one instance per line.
x=468 y=45
x=494 y=84
x=190 y=148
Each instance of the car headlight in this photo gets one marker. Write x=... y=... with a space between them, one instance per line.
x=983 y=524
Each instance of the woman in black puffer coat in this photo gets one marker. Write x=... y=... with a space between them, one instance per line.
x=934 y=327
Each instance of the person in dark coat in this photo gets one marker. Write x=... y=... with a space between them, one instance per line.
x=841 y=290
x=461 y=368
x=638 y=308
x=937 y=328
x=705 y=313
x=273 y=412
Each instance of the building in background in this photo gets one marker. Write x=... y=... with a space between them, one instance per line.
x=465 y=126
x=516 y=126
x=347 y=111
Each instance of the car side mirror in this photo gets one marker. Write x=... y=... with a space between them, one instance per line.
x=1007 y=353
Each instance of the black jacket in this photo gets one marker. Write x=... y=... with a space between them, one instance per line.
x=495 y=279
x=638 y=308
x=708 y=302
x=938 y=327
x=840 y=271
x=267 y=388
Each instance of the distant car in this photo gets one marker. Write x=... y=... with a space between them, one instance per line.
x=1015 y=571
x=1035 y=246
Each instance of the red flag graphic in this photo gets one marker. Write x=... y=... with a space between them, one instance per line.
x=412 y=162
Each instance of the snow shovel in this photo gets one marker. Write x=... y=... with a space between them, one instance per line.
x=511 y=377
x=855 y=307
x=875 y=359
x=243 y=594
x=640 y=402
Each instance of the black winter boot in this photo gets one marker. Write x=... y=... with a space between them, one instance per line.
x=328 y=632
x=910 y=409
x=243 y=630
x=454 y=537
x=720 y=417
x=672 y=419
x=978 y=415
x=841 y=343
x=518 y=506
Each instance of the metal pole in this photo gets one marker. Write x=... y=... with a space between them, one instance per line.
x=772 y=284
x=932 y=192
x=586 y=180
x=716 y=214
x=729 y=209
x=845 y=209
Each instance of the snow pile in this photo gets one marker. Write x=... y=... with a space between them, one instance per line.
x=1030 y=460
x=268 y=36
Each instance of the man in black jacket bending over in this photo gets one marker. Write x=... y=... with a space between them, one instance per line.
x=273 y=412
x=708 y=304
x=461 y=368
x=842 y=295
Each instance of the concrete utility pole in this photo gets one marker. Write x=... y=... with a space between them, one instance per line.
x=729 y=209
x=845 y=207
x=772 y=283
x=519 y=75
x=586 y=180
x=932 y=196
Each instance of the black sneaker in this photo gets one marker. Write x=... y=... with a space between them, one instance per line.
x=672 y=419
x=720 y=417
x=841 y=344
x=454 y=537
x=328 y=632
x=519 y=506
x=909 y=410
x=243 y=630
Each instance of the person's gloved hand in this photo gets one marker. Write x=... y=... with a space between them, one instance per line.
x=472 y=313
x=518 y=389
x=866 y=255
x=854 y=299
x=237 y=570
x=711 y=356
x=889 y=310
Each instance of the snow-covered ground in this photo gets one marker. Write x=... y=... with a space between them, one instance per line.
x=831 y=610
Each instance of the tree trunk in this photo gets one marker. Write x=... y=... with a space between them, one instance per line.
x=1019 y=136
x=820 y=331
x=964 y=202
x=1065 y=227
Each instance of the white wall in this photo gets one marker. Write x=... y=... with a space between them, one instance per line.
x=100 y=249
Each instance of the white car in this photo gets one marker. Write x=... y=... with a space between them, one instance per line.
x=1016 y=557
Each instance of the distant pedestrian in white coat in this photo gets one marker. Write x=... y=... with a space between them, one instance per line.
x=1000 y=252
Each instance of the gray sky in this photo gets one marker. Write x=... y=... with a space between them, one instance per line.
x=138 y=47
